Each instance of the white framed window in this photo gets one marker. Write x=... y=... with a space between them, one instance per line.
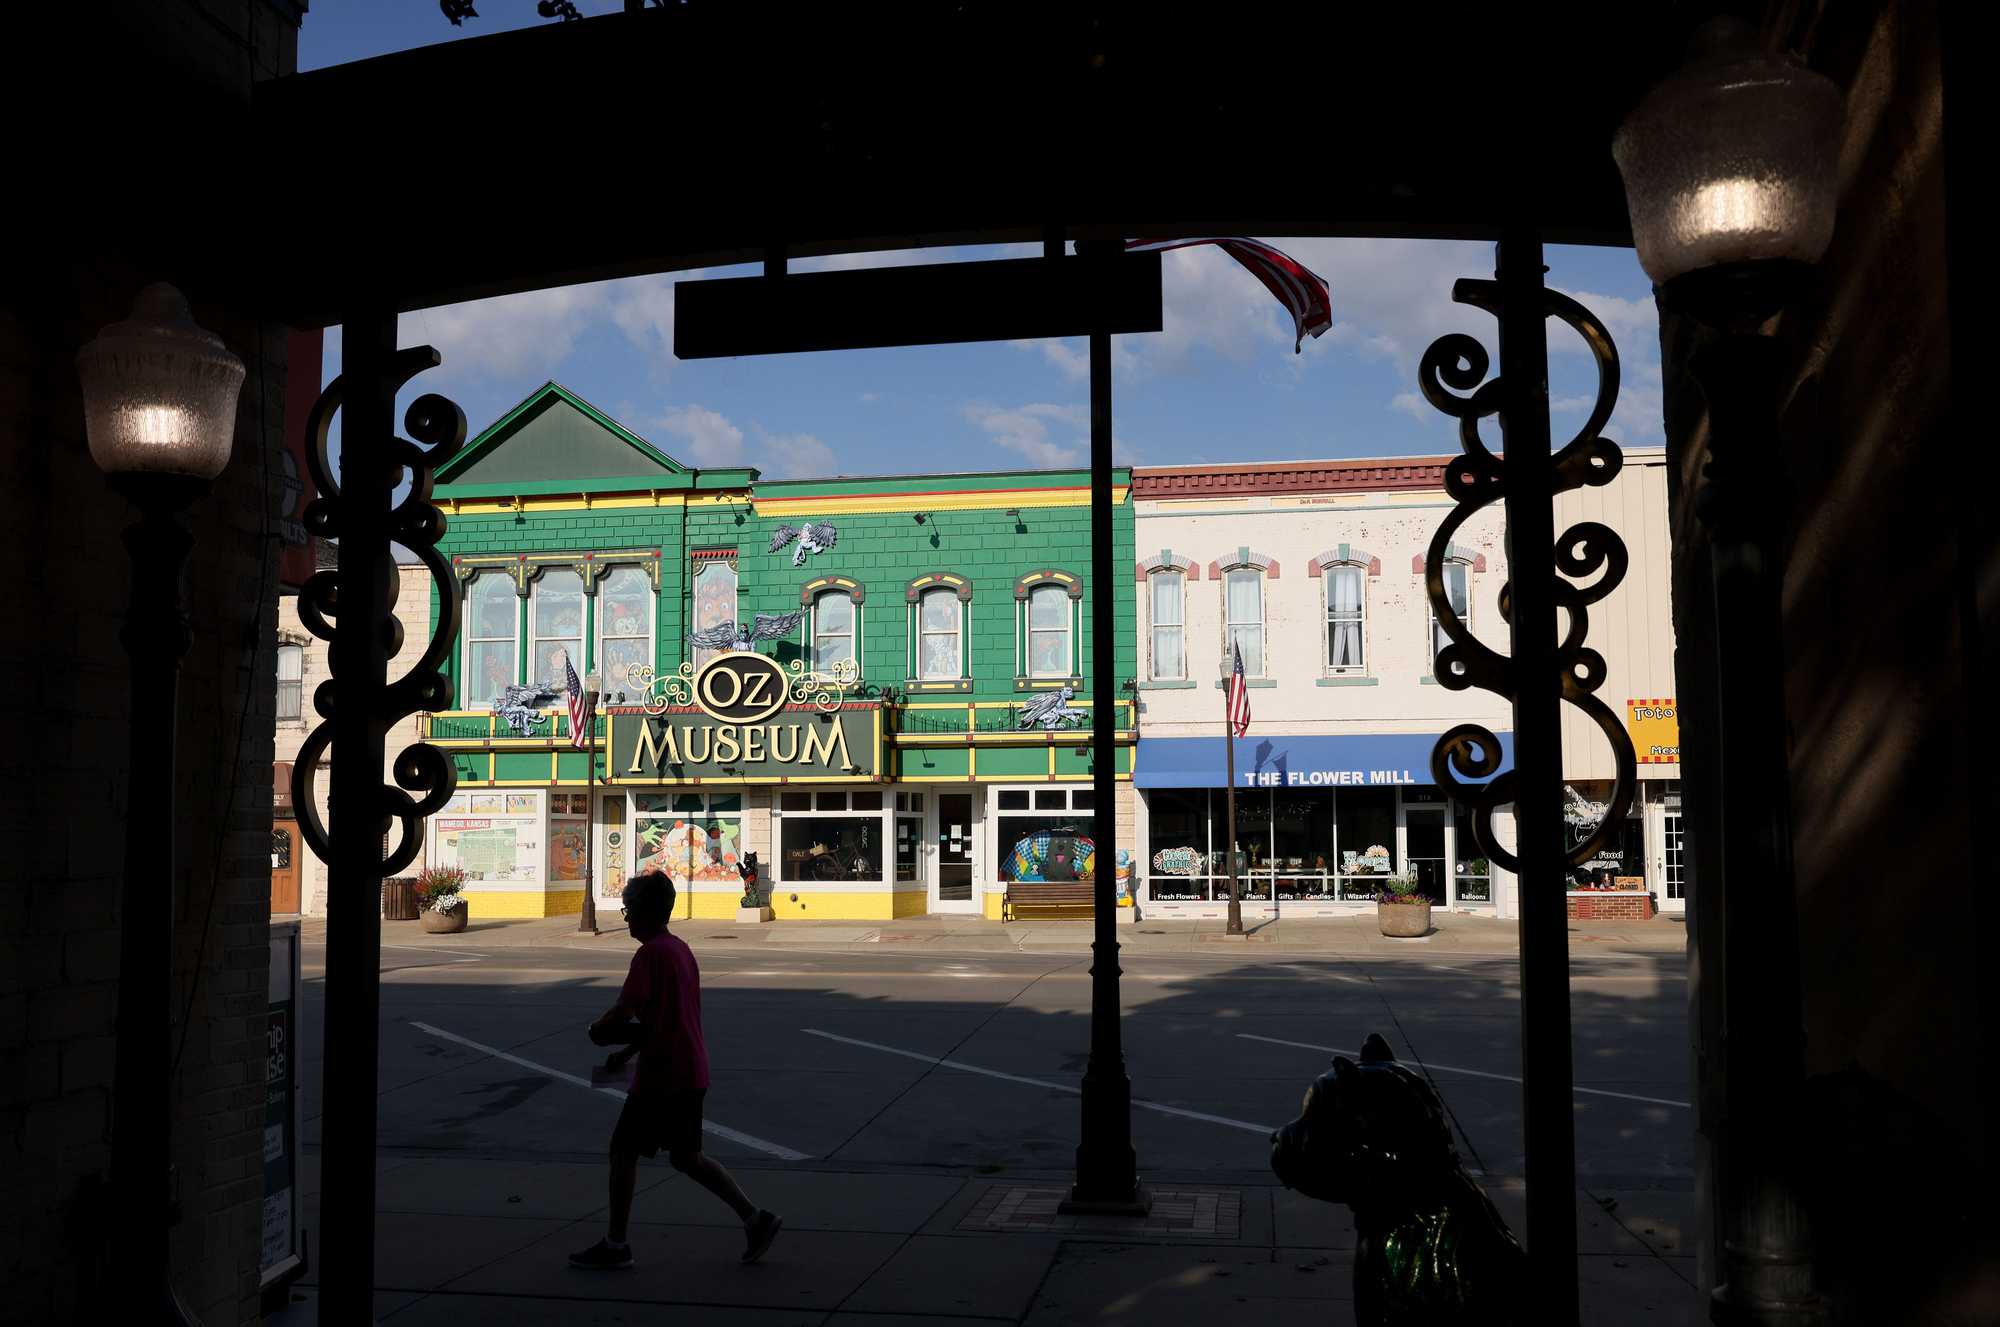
x=1050 y=651
x=291 y=681
x=831 y=837
x=492 y=636
x=1457 y=589
x=625 y=613
x=940 y=635
x=1346 y=618
x=1243 y=616
x=555 y=608
x=1168 y=599
x=836 y=630
x=714 y=601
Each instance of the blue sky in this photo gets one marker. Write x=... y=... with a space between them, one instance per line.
x=1219 y=384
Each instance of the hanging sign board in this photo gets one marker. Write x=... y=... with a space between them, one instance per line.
x=1655 y=728
x=745 y=727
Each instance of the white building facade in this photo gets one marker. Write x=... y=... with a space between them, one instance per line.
x=1314 y=570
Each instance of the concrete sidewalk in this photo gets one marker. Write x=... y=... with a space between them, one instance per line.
x=472 y=1239
x=1355 y=936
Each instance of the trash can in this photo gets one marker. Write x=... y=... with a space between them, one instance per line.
x=399 y=899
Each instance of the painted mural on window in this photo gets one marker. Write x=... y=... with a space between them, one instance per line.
x=689 y=836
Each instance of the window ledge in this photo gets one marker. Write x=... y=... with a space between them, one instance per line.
x=1428 y=680
x=1344 y=681
x=1254 y=683
x=1047 y=683
x=917 y=686
x=1168 y=684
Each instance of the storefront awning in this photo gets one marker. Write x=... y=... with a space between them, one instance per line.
x=1363 y=760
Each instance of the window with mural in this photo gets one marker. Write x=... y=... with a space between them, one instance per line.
x=624 y=629
x=714 y=600
x=568 y=833
x=1045 y=833
x=1049 y=615
x=492 y=617
x=691 y=837
x=940 y=643
x=555 y=603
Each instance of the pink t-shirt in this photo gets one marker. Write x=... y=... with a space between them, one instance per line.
x=664 y=987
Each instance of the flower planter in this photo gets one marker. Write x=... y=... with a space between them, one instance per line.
x=444 y=923
x=1406 y=920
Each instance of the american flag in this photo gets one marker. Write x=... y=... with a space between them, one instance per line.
x=1300 y=289
x=1239 y=695
x=581 y=709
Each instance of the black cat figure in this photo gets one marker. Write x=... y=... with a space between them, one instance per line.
x=1432 y=1248
x=746 y=867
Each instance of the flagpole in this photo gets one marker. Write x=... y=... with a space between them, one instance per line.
x=1229 y=757
x=587 y=922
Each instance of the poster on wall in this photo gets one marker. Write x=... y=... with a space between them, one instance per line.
x=566 y=843
x=1655 y=728
x=498 y=842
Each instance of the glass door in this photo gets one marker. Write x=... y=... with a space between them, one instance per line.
x=1673 y=884
x=951 y=882
x=1424 y=855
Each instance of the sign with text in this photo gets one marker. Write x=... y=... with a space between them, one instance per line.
x=1655 y=728
x=745 y=724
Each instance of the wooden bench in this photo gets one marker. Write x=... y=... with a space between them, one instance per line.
x=1046 y=894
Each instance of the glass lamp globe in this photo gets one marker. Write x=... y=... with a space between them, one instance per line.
x=159 y=391
x=1731 y=159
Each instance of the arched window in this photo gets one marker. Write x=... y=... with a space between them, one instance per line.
x=555 y=605
x=1458 y=589
x=714 y=601
x=940 y=635
x=624 y=627
x=1346 y=618
x=836 y=630
x=1049 y=653
x=291 y=681
x=1243 y=617
x=492 y=627
x=1168 y=607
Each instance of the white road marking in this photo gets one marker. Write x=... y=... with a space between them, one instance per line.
x=457 y=955
x=709 y=1126
x=1160 y=1107
x=1476 y=1073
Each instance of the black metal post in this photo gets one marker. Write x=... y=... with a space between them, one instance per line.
x=1549 y=1134
x=1229 y=815
x=587 y=922
x=156 y=638
x=358 y=656
x=1107 y=1168
x=1766 y=1265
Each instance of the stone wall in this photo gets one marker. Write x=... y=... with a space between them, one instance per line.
x=63 y=775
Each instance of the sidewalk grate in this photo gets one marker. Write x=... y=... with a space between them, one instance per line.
x=1203 y=1213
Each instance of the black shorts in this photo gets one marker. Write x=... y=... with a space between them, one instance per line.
x=652 y=1122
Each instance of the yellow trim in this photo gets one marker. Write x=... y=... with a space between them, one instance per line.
x=1052 y=760
x=858 y=504
x=1067 y=737
x=880 y=906
x=494 y=904
x=496 y=506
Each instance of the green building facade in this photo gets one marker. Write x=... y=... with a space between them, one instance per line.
x=920 y=710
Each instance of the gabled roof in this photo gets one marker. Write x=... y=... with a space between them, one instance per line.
x=554 y=434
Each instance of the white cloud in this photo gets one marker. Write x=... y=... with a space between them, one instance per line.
x=793 y=456
x=514 y=337
x=711 y=440
x=1047 y=436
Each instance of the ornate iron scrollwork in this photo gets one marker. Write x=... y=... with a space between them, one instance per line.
x=1455 y=364
x=439 y=425
x=821 y=690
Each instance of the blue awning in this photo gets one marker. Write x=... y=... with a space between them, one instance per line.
x=1360 y=761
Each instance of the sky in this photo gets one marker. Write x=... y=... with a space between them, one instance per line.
x=1219 y=385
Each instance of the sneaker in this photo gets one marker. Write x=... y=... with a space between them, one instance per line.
x=763 y=1228
x=603 y=1256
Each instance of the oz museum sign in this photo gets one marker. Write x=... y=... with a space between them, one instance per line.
x=744 y=718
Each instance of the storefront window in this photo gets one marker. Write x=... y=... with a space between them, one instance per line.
x=909 y=837
x=692 y=837
x=1253 y=839
x=567 y=830
x=1048 y=840
x=1365 y=819
x=1302 y=843
x=1177 y=858
x=1474 y=873
x=825 y=849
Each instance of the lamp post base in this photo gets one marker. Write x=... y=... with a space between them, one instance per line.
x=1107 y=1166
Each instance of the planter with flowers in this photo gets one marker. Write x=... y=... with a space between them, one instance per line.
x=1401 y=910
x=441 y=893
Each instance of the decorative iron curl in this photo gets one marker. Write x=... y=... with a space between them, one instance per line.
x=820 y=690
x=424 y=776
x=1466 y=760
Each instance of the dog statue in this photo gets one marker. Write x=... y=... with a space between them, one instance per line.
x=1432 y=1249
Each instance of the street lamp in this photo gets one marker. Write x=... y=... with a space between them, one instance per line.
x=1729 y=168
x=159 y=397
x=593 y=688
